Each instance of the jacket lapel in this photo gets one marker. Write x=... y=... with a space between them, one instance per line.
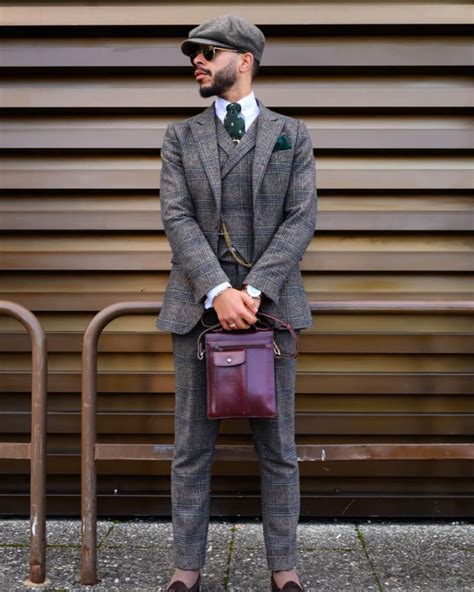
x=203 y=129
x=269 y=128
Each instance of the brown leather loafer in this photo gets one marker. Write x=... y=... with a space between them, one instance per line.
x=180 y=586
x=288 y=587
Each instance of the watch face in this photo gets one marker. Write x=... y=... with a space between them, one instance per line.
x=252 y=291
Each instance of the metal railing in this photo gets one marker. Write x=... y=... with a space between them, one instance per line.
x=35 y=450
x=92 y=450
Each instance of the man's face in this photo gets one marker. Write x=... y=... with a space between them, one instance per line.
x=217 y=76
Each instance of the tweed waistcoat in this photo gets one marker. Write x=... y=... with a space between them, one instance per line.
x=236 y=163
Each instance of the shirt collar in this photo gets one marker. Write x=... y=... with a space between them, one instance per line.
x=249 y=107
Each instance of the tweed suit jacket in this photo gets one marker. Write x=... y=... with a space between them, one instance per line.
x=284 y=216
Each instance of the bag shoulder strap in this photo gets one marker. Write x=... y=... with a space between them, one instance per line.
x=200 y=347
x=278 y=352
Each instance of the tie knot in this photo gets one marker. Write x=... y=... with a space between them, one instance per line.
x=234 y=108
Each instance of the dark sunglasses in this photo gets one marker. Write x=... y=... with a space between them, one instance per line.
x=208 y=51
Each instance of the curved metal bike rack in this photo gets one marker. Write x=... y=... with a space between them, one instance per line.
x=35 y=450
x=92 y=451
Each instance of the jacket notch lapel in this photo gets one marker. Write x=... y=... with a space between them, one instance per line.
x=203 y=129
x=269 y=128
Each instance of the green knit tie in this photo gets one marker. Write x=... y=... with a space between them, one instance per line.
x=234 y=123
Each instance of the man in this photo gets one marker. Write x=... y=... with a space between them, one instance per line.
x=238 y=201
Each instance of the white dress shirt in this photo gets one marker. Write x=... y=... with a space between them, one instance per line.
x=249 y=112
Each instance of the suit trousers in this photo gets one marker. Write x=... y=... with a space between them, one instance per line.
x=195 y=436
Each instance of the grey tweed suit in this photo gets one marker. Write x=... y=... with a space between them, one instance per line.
x=269 y=201
x=284 y=202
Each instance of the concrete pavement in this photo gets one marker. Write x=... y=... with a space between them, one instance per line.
x=363 y=556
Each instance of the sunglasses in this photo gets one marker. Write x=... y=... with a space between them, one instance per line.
x=208 y=51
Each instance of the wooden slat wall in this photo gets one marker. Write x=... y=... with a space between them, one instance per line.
x=86 y=93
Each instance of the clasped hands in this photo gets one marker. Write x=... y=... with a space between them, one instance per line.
x=235 y=309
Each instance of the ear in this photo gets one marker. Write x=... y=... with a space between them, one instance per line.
x=246 y=62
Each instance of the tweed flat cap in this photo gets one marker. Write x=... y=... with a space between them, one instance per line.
x=232 y=32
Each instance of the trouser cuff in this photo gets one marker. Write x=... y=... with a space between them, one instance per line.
x=281 y=562
x=189 y=563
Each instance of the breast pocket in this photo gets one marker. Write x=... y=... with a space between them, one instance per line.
x=282 y=158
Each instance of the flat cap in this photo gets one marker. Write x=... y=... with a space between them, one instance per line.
x=229 y=31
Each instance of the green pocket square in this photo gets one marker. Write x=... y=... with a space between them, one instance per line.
x=281 y=144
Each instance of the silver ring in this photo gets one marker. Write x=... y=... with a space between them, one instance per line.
x=232 y=325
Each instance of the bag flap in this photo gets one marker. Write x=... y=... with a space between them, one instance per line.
x=229 y=358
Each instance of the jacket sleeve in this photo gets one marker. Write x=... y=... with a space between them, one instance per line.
x=191 y=250
x=294 y=234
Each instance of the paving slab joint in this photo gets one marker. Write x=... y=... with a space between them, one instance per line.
x=361 y=538
x=230 y=550
x=109 y=530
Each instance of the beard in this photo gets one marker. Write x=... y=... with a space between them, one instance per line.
x=224 y=79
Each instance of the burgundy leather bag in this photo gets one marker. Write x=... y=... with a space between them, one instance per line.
x=241 y=370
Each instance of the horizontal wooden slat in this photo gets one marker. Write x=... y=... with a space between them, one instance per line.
x=345 y=505
x=372 y=298
x=355 y=383
x=80 y=179
x=361 y=253
x=337 y=322
x=90 y=301
x=323 y=423
x=149 y=179
x=321 y=261
x=434 y=343
x=324 y=363
x=95 y=220
x=278 y=94
x=402 y=212
x=60 y=402
x=261 y=13
x=95 y=301
x=155 y=474
x=324 y=52
x=156 y=481
x=434 y=286
x=387 y=221
x=328 y=220
x=159 y=121
x=127 y=140
x=156 y=123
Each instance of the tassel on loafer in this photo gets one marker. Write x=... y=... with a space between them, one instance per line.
x=180 y=586
x=288 y=587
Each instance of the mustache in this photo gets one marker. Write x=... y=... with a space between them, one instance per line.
x=201 y=70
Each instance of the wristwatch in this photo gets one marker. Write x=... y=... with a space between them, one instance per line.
x=253 y=292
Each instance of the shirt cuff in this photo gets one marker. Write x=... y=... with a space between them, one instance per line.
x=213 y=292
